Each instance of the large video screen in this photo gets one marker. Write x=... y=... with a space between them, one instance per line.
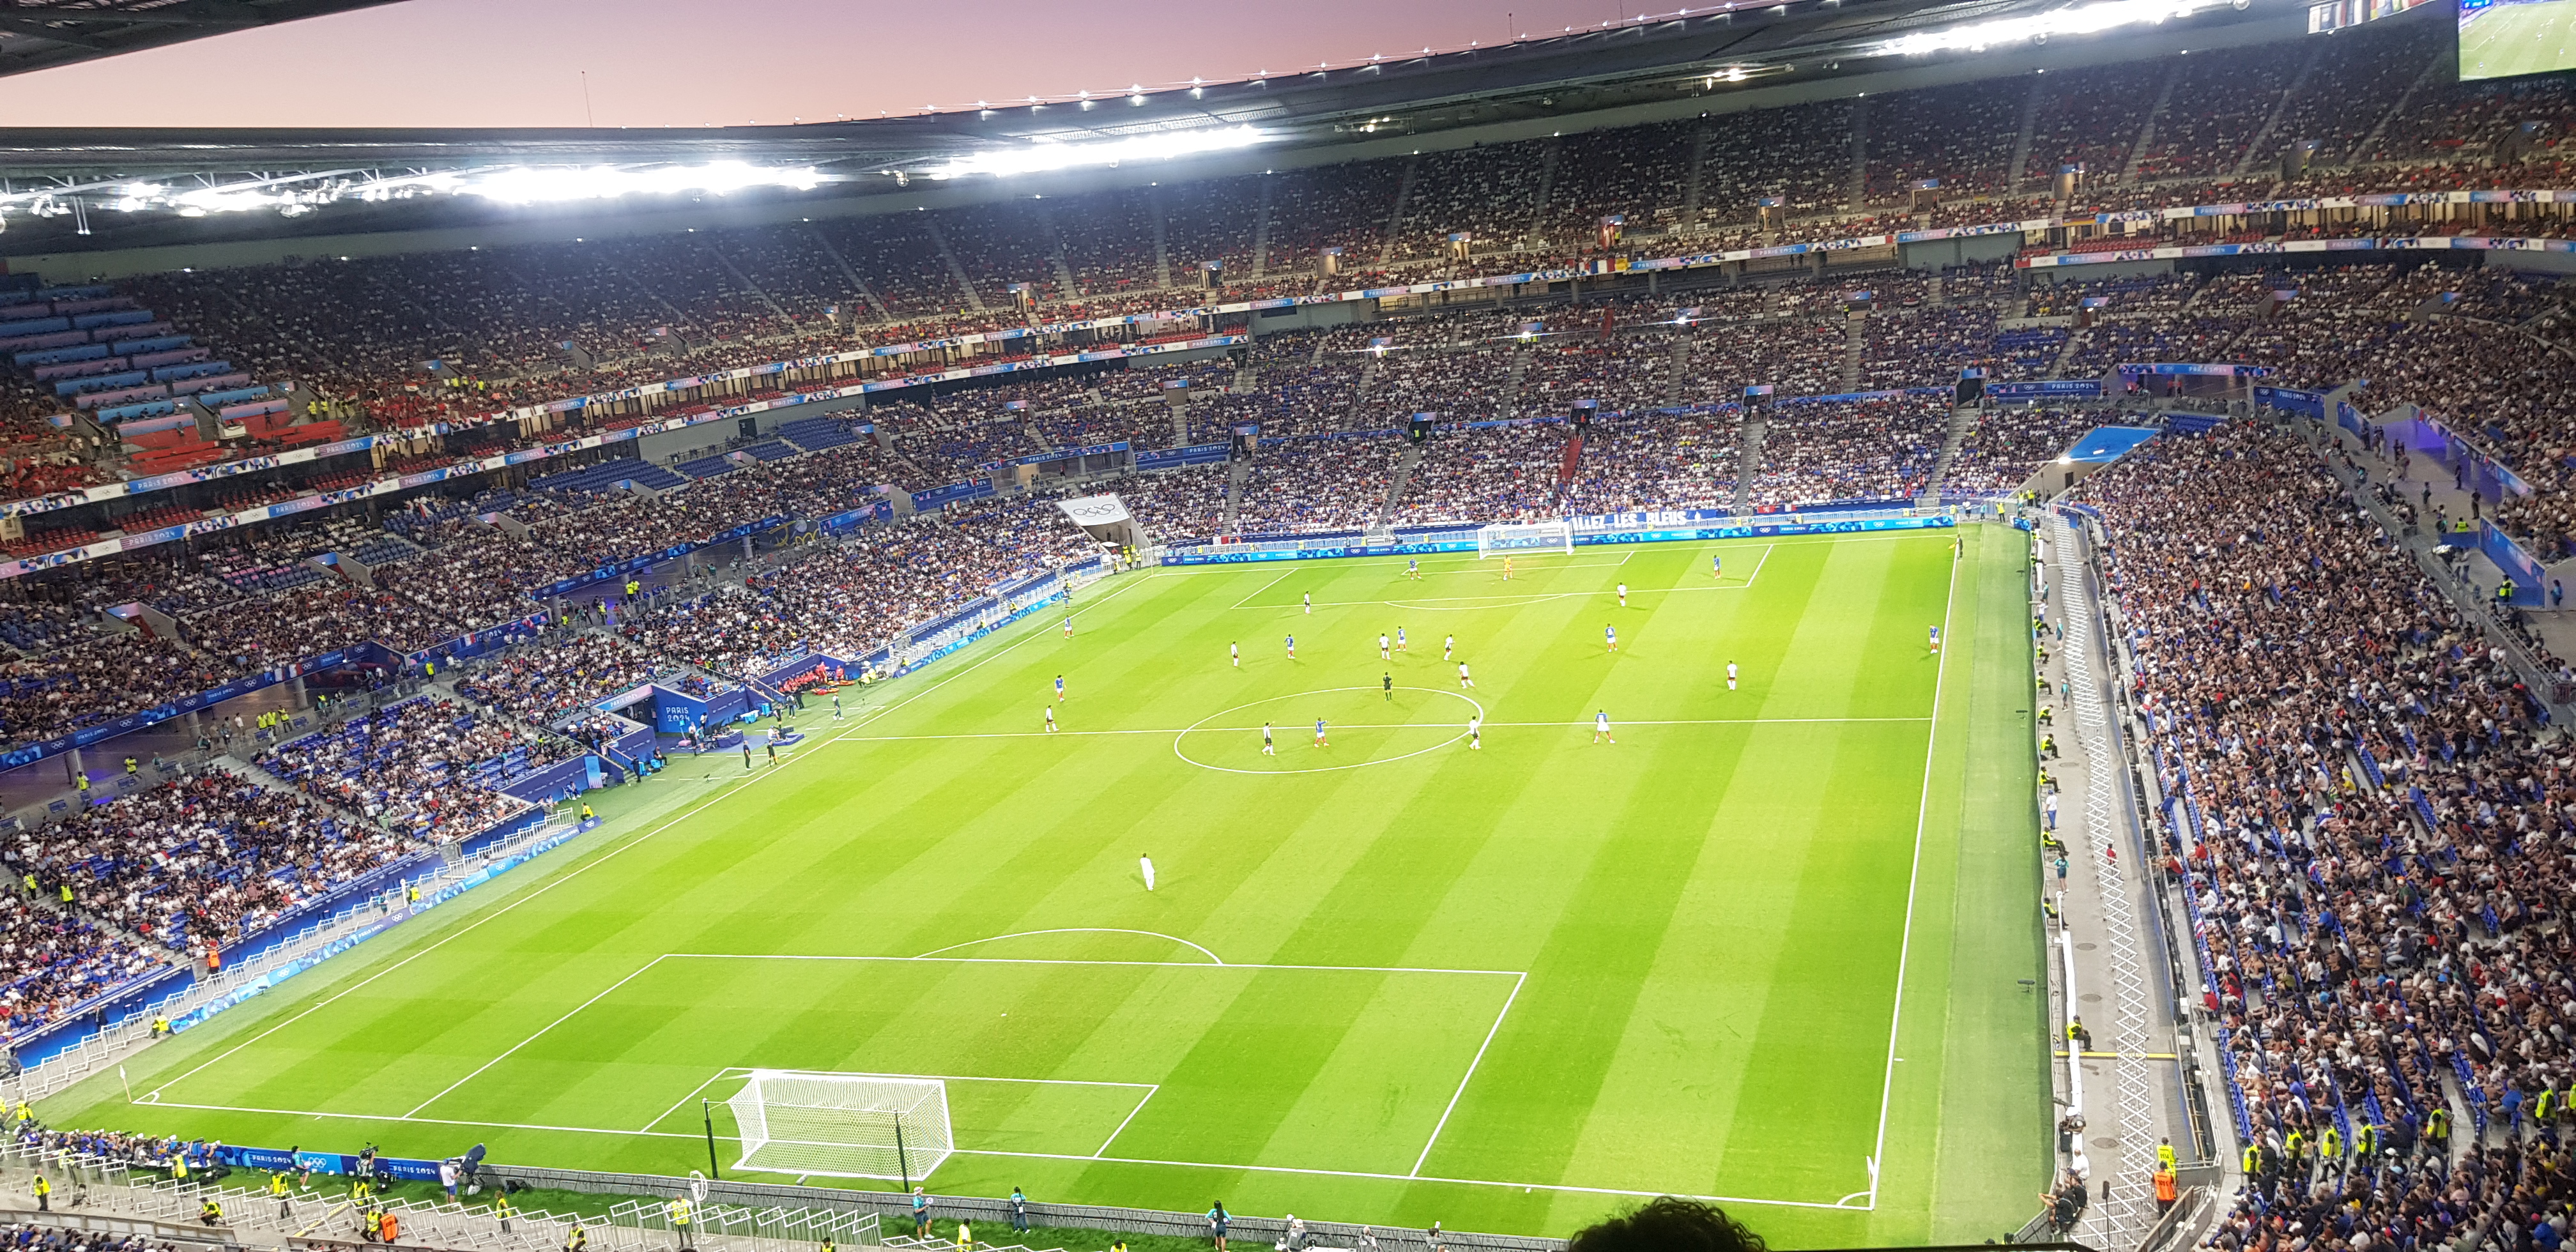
x=2502 y=38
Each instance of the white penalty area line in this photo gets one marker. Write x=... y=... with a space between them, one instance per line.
x=1038 y=1156
x=603 y=856
x=1469 y=1076
x=1517 y=975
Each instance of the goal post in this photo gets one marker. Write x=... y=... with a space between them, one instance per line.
x=1507 y=539
x=842 y=1125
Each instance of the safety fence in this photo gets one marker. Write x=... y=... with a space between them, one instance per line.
x=302 y=1216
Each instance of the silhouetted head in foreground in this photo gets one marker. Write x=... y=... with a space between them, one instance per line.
x=1668 y=1225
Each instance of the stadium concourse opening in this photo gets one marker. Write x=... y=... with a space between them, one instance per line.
x=1917 y=643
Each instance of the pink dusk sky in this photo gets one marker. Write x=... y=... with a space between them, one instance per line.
x=729 y=62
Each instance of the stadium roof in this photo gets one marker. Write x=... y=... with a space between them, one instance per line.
x=133 y=183
x=41 y=34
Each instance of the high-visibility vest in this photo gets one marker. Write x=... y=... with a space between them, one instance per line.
x=2165 y=1186
x=2253 y=1160
x=2165 y=1155
x=577 y=1240
x=679 y=1212
x=2439 y=1125
x=2334 y=1143
x=43 y=1188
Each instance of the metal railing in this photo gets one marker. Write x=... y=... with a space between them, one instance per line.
x=92 y=1185
x=307 y=945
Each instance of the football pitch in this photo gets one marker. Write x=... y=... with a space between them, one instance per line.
x=2533 y=37
x=1775 y=945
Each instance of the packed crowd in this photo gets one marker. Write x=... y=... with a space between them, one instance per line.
x=194 y=863
x=639 y=308
x=559 y=676
x=1849 y=450
x=411 y=767
x=2007 y=445
x=2372 y=839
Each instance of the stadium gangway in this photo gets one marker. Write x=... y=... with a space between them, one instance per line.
x=121 y=1039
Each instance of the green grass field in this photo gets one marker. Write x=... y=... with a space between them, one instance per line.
x=2524 y=38
x=1391 y=980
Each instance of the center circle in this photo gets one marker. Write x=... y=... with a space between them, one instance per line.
x=1359 y=722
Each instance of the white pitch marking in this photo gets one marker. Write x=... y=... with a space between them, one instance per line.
x=505 y=1055
x=717 y=1077
x=604 y=856
x=1072 y=930
x=1209 y=730
x=1463 y=1079
x=1040 y=960
x=1150 y=1089
x=1044 y=1156
x=1913 y=876
x=1283 y=574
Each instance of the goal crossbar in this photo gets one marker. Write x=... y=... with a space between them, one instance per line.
x=1506 y=539
x=837 y=1125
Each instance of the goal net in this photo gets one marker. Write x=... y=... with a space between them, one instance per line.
x=1504 y=540
x=842 y=1125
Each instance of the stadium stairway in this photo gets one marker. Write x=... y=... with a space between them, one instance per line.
x=1962 y=420
x=1680 y=370
x=2247 y=162
x=1748 y=463
x=1261 y=231
x=1162 y=240
x=1395 y=216
x=1521 y=354
x=445 y=688
x=2065 y=353
x=1055 y=249
x=948 y=257
x=1403 y=478
x=857 y=283
x=1855 y=341
x=2147 y=133
x=2022 y=137
x=1235 y=472
x=1856 y=188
